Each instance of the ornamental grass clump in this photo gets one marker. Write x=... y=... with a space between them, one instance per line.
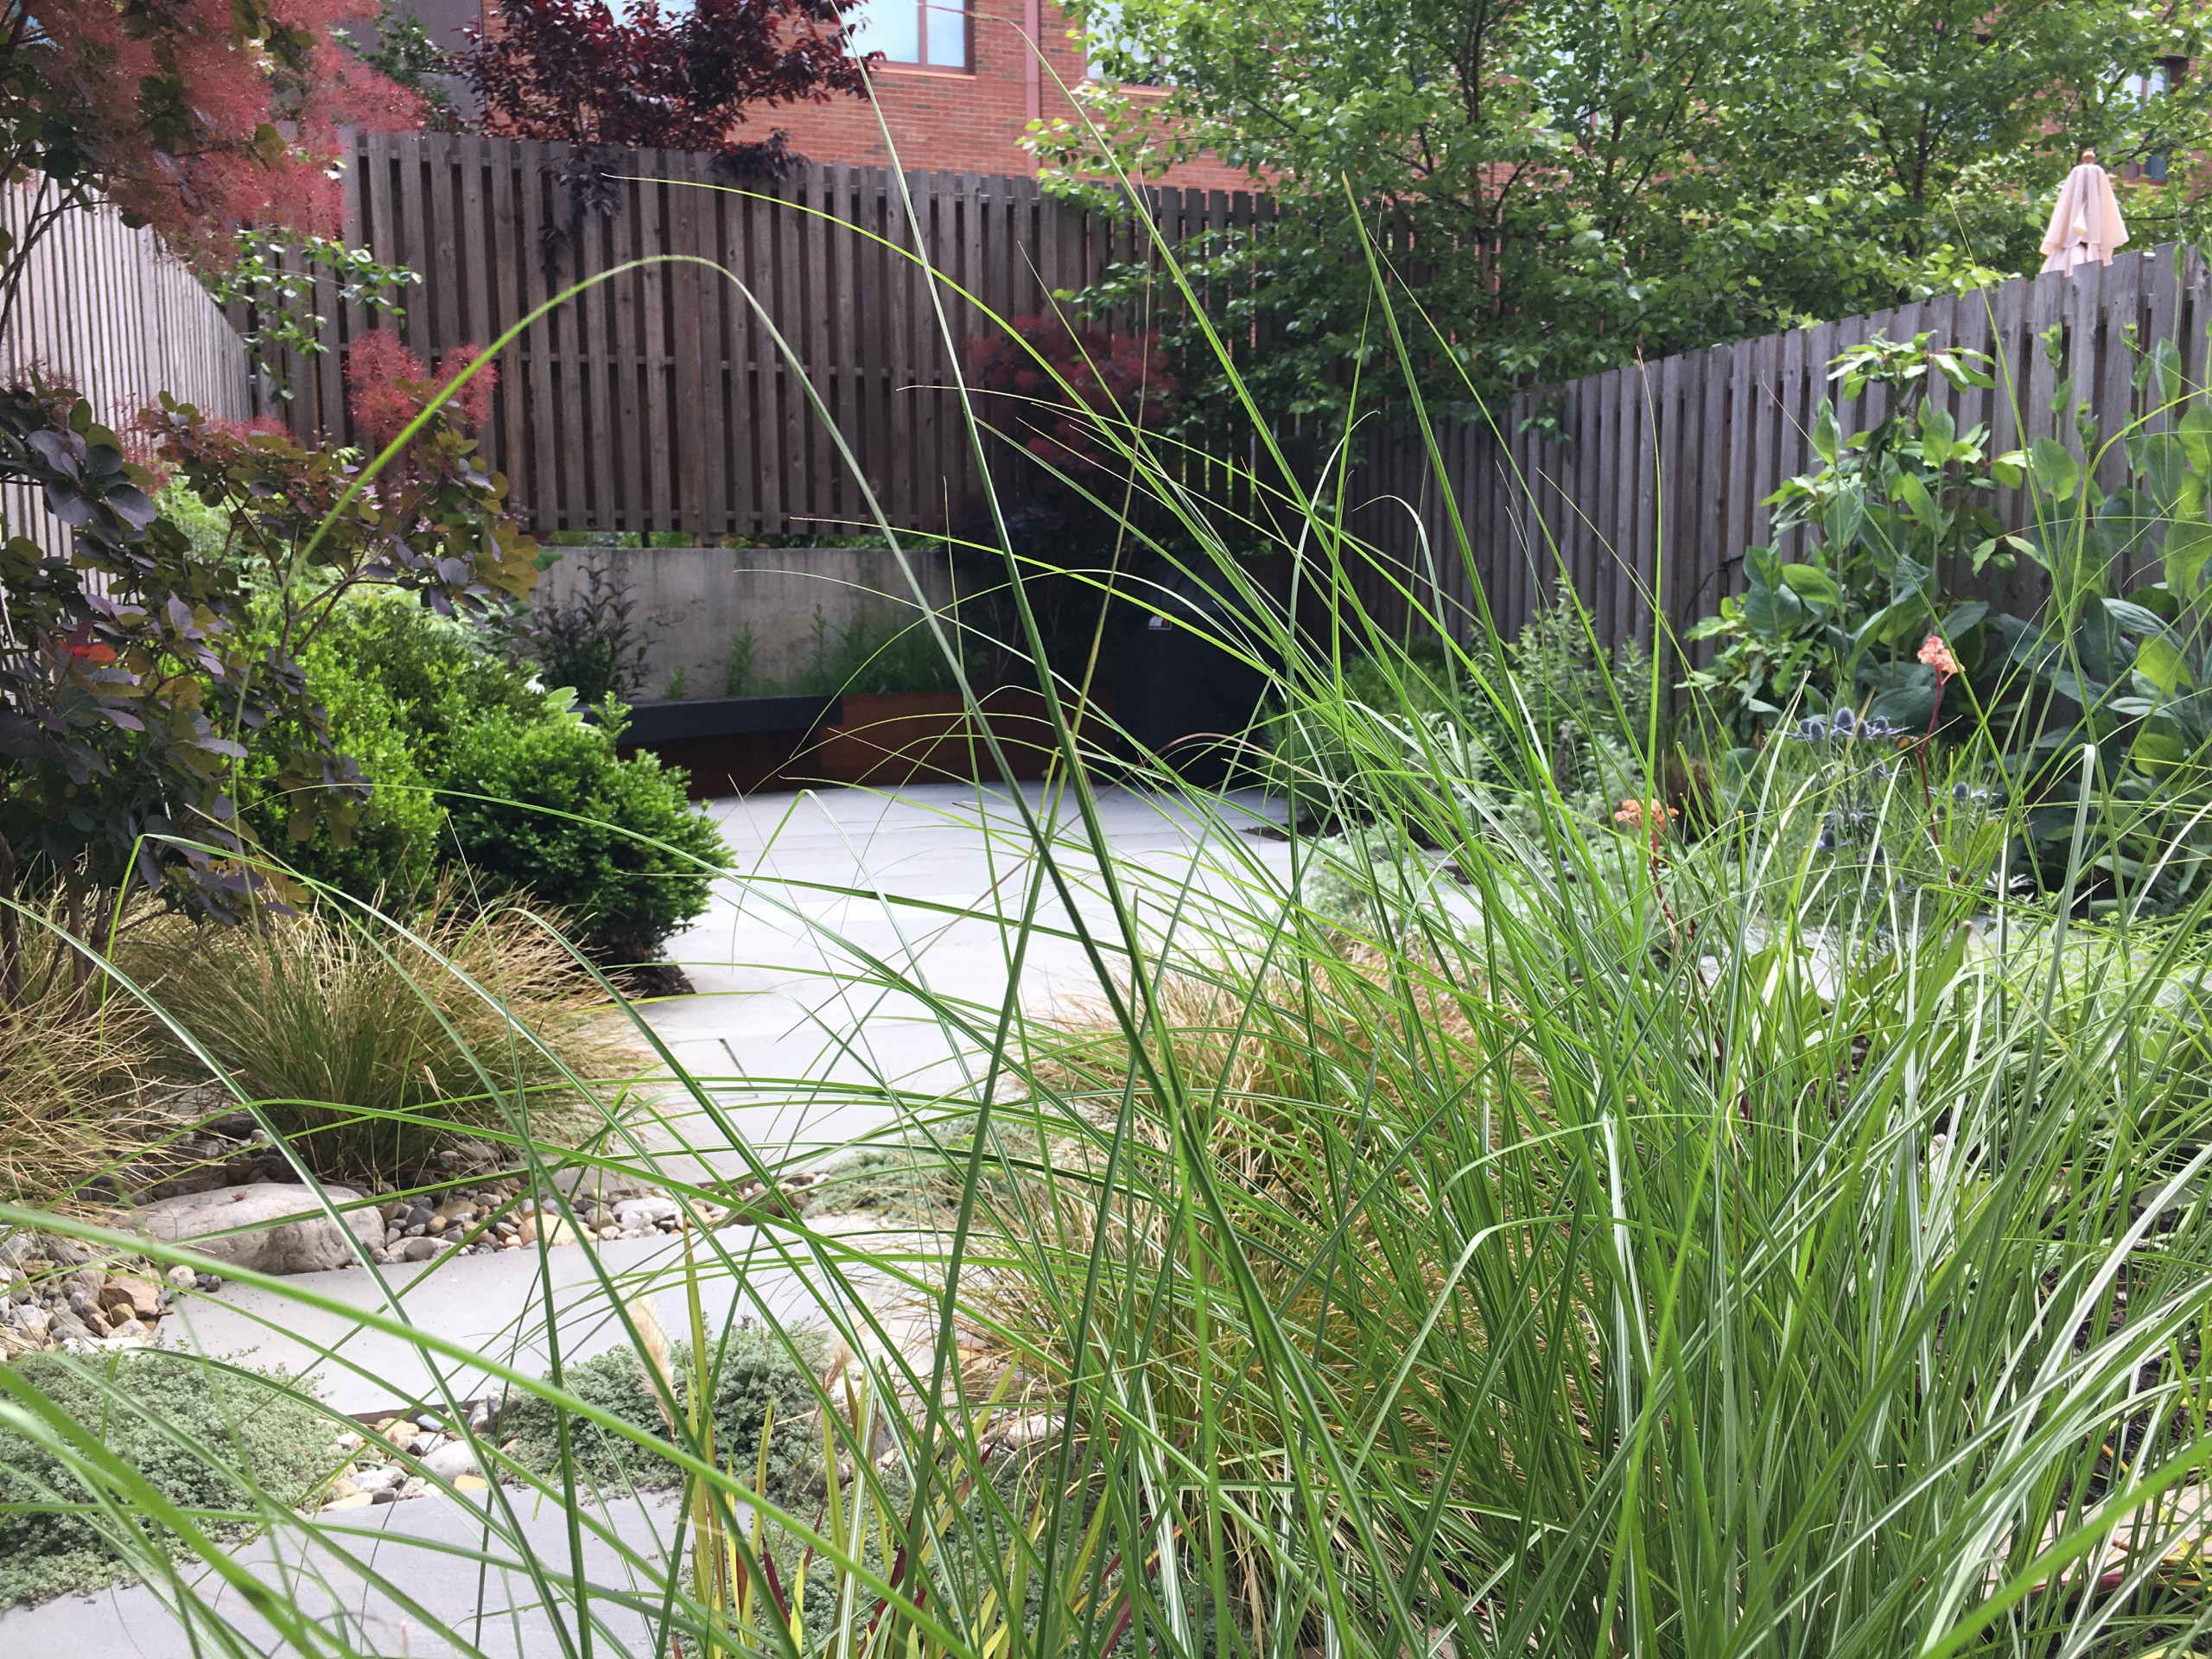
x=369 y=1043
x=77 y=1093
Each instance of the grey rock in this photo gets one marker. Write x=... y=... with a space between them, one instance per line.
x=602 y=1186
x=284 y=1231
x=646 y=1212
x=452 y=1460
x=421 y=1249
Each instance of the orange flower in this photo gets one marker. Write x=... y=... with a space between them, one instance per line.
x=1937 y=656
x=1639 y=813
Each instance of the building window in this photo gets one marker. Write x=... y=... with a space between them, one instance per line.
x=930 y=34
x=1101 y=23
x=2154 y=83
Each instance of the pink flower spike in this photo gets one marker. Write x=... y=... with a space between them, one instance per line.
x=1937 y=656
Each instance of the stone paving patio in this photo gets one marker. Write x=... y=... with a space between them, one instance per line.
x=799 y=1055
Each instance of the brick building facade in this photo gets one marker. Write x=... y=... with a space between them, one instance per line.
x=960 y=91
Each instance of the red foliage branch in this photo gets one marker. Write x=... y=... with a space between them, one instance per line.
x=195 y=117
x=1059 y=390
x=387 y=386
x=567 y=72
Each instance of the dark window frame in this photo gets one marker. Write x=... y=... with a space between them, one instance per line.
x=926 y=26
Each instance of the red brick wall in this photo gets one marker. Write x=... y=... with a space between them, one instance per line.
x=965 y=122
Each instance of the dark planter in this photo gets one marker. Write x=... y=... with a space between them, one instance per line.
x=1181 y=696
x=669 y=720
x=730 y=746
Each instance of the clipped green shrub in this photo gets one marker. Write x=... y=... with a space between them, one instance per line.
x=395 y=680
x=549 y=807
x=202 y=1435
x=392 y=845
x=752 y=1369
x=438 y=672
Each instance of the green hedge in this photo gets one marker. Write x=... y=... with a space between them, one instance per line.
x=474 y=767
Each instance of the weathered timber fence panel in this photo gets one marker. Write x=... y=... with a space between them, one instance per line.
x=104 y=309
x=679 y=396
x=1643 y=487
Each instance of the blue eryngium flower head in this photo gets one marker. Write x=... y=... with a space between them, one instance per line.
x=1846 y=724
x=1814 y=729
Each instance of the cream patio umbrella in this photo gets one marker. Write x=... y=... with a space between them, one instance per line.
x=2085 y=226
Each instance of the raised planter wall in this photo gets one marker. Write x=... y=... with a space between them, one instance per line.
x=690 y=600
x=888 y=740
x=735 y=746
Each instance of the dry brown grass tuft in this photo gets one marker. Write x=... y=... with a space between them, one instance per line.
x=72 y=1097
x=373 y=1048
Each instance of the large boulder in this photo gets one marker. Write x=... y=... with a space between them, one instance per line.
x=286 y=1231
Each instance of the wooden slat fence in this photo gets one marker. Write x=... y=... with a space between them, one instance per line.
x=661 y=399
x=1644 y=485
x=105 y=309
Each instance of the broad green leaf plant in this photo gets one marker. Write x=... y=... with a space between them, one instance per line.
x=1894 y=512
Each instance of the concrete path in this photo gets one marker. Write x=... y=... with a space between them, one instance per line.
x=794 y=1025
x=831 y=888
x=435 y=1553
x=499 y=1305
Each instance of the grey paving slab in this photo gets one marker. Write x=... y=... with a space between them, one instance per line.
x=505 y=1305
x=792 y=963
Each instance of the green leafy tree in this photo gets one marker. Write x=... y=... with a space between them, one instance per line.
x=1564 y=187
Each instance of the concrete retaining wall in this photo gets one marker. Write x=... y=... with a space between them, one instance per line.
x=690 y=600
